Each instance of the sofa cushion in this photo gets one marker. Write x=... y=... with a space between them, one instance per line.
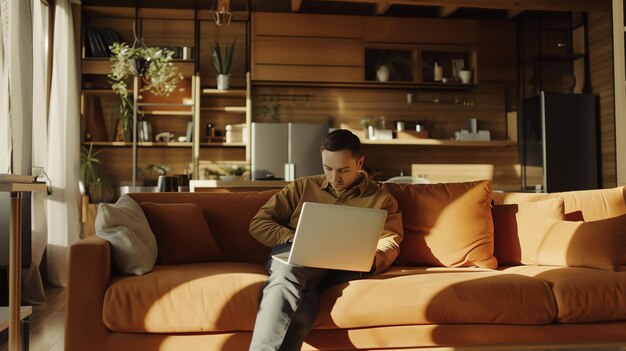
x=594 y=244
x=447 y=224
x=181 y=230
x=588 y=205
x=519 y=229
x=437 y=295
x=185 y=298
x=125 y=227
x=207 y=297
x=582 y=294
x=228 y=215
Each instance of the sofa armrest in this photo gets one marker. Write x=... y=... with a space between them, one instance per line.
x=89 y=276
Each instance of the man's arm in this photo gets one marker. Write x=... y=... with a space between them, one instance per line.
x=388 y=246
x=268 y=225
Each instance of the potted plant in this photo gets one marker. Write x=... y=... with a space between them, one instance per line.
x=222 y=64
x=234 y=172
x=152 y=64
x=94 y=186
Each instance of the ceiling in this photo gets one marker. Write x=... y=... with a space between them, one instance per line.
x=427 y=8
x=476 y=9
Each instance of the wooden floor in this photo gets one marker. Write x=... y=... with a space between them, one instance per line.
x=47 y=324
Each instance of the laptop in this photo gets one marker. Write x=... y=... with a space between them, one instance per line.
x=335 y=237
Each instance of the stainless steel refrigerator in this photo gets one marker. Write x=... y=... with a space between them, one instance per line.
x=558 y=142
x=286 y=150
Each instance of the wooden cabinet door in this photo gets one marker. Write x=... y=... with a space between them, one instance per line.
x=298 y=47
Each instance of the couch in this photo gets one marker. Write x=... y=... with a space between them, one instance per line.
x=211 y=304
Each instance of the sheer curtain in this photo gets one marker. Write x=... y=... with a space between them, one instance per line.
x=33 y=131
x=16 y=89
x=63 y=145
x=33 y=292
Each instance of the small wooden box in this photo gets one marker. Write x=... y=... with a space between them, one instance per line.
x=411 y=134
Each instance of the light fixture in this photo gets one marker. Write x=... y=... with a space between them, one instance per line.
x=223 y=14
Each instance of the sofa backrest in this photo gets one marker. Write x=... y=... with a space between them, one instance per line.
x=586 y=205
x=593 y=204
x=228 y=216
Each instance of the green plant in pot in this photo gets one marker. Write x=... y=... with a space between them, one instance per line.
x=222 y=63
x=153 y=64
x=233 y=172
x=94 y=184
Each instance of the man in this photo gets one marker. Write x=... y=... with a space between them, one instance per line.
x=290 y=296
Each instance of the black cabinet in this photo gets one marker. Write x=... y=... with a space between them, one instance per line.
x=558 y=142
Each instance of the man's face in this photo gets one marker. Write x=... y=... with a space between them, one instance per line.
x=341 y=168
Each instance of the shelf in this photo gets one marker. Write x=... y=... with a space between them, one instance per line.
x=165 y=113
x=566 y=57
x=370 y=85
x=160 y=145
x=440 y=142
x=229 y=92
x=228 y=109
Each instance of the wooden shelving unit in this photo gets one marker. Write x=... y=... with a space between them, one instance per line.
x=187 y=106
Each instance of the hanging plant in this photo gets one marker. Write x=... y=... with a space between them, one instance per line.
x=154 y=66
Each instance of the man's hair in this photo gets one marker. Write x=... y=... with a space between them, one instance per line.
x=342 y=139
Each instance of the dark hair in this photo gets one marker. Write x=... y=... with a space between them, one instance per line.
x=342 y=139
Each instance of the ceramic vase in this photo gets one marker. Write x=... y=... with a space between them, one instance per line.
x=223 y=80
x=382 y=73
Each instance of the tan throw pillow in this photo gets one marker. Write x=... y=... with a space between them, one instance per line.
x=446 y=224
x=125 y=227
x=595 y=244
x=182 y=233
x=515 y=229
x=533 y=222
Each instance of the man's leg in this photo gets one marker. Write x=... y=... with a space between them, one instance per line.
x=288 y=306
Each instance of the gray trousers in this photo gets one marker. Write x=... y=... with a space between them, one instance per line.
x=289 y=302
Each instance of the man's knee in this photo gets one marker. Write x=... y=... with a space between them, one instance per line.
x=298 y=277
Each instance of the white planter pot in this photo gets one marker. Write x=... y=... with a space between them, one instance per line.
x=223 y=81
x=382 y=73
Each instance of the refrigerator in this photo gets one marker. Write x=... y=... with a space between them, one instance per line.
x=558 y=142
x=286 y=150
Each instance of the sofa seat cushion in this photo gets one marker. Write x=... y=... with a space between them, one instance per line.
x=185 y=298
x=414 y=295
x=218 y=297
x=582 y=294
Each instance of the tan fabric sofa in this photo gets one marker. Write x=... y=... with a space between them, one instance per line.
x=212 y=305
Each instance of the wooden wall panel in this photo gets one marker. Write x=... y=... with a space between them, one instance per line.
x=419 y=30
x=306 y=25
x=308 y=51
x=601 y=75
x=497 y=46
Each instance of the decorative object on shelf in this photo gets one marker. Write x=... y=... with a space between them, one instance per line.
x=223 y=15
x=167 y=183
x=387 y=65
x=466 y=76
x=152 y=64
x=222 y=64
x=93 y=184
x=382 y=73
x=438 y=73
x=270 y=111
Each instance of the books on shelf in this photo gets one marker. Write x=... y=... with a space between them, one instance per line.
x=98 y=41
x=189 y=131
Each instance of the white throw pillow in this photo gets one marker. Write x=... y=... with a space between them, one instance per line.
x=126 y=228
